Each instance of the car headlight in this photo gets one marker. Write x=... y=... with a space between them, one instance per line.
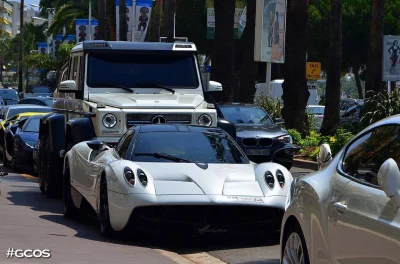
x=269 y=179
x=129 y=176
x=109 y=120
x=205 y=120
x=286 y=139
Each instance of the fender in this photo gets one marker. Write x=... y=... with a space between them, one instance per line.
x=53 y=125
x=78 y=130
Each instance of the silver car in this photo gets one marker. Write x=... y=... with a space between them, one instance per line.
x=349 y=210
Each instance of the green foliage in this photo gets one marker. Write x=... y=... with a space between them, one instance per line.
x=378 y=106
x=339 y=140
x=272 y=106
x=296 y=136
x=310 y=145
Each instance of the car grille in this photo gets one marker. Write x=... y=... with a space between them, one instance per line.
x=201 y=215
x=140 y=119
x=253 y=142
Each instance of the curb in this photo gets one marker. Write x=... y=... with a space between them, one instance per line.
x=305 y=164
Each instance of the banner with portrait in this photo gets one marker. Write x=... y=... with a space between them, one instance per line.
x=270 y=31
x=391 y=58
x=82 y=29
x=129 y=18
x=42 y=48
x=142 y=21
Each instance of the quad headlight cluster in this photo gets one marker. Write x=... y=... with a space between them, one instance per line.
x=270 y=179
x=130 y=177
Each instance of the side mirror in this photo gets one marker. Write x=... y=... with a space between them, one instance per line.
x=389 y=180
x=95 y=144
x=324 y=156
x=215 y=87
x=67 y=87
x=227 y=126
x=287 y=151
x=279 y=121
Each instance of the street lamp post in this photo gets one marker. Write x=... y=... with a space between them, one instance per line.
x=21 y=42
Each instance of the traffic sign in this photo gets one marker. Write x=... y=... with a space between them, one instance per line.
x=313 y=70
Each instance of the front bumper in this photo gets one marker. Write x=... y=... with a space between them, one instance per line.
x=195 y=214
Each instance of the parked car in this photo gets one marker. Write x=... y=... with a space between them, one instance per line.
x=41 y=90
x=317 y=114
x=257 y=134
x=20 y=139
x=174 y=178
x=4 y=127
x=9 y=96
x=45 y=101
x=350 y=112
x=2 y=103
x=348 y=211
x=12 y=110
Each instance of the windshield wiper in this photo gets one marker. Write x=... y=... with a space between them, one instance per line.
x=163 y=156
x=153 y=85
x=114 y=85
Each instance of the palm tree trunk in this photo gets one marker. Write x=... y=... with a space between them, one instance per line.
x=249 y=67
x=169 y=14
x=375 y=51
x=295 y=89
x=122 y=21
x=223 y=50
x=356 y=72
x=332 y=106
x=21 y=42
x=157 y=21
x=102 y=18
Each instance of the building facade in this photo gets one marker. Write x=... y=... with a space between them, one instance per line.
x=6 y=17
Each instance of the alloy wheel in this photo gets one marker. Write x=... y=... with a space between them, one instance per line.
x=294 y=252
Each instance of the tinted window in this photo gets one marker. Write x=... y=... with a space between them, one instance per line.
x=41 y=90
x=365 y=156
x=16 y=111
x=123 y=144
x=32 y=125
x=207 y=147
x=167 y=69
x=246 y=115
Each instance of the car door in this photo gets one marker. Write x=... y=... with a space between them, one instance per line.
x=364 y=223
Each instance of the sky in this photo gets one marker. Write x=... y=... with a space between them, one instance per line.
x=27 y=2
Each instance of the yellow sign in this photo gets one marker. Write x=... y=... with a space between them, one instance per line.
x=313 y=70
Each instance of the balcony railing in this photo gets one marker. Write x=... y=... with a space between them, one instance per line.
x=5 y=16
x=5 y=5
x=6 y=28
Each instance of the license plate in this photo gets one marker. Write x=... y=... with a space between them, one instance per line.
x=258 y=152
x=246 y=199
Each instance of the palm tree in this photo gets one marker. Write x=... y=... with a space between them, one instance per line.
x=223 y=50
x=4 y=50
x=157 y=21
x=169 y=18
x=67 y=11
x=249 y=67
x=375 y=50
x=332 y=106
x=102 y=18
x=295 y=90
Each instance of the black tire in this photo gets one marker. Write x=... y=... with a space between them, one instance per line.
x=70 y=210
x=5 y=160
x=294 y=230
x=14 y=163
x=104 y=213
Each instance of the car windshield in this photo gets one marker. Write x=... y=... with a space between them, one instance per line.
x=10 y=96
x=132 y=70
x=315 y=110
x=16 y=111
x=246 y=115
x=199 y=147
x=32 y=125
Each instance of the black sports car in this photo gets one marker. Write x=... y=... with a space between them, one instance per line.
x=258 y=135
x=21 y=138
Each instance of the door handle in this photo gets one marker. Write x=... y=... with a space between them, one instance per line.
x=340 y=206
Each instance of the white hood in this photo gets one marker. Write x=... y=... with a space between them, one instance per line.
x=146 y=101
x=190 y=179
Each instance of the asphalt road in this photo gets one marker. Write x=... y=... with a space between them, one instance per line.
x=28 y=220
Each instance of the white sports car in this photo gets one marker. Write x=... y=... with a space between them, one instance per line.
x=175 y=177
